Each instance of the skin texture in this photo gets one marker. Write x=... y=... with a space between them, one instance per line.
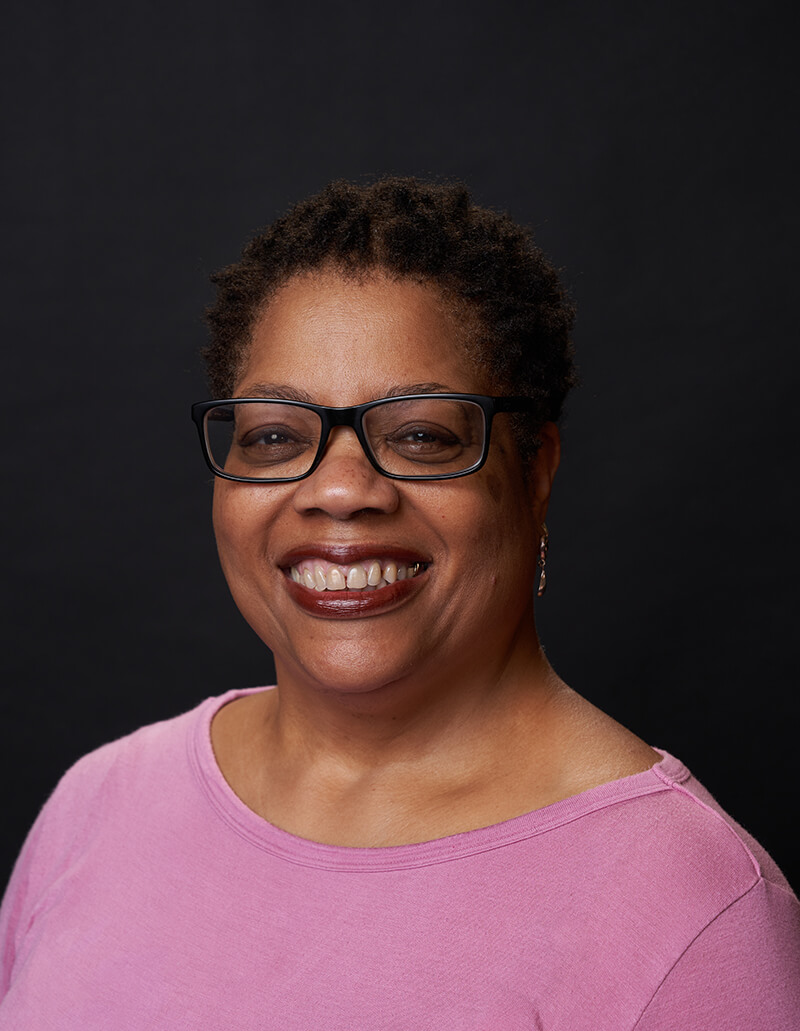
x=437 y=713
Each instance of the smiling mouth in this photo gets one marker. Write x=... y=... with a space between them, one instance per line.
x=318 y=574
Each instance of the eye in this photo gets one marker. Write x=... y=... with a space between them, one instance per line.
x=268 y=435
x=424 y=442
x=423 y=435
x=272 y=444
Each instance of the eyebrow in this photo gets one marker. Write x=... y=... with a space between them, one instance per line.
x=287 y=393
x=278 y=390
x=418 y=388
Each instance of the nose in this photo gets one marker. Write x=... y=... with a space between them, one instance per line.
x=345 y=483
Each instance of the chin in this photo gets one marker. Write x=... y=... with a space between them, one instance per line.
x=347 y=670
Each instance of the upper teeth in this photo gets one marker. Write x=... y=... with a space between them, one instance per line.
x=321 y=575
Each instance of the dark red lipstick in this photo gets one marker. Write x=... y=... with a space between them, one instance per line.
x=356 y=603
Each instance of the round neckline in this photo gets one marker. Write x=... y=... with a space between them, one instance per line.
x=304 y=852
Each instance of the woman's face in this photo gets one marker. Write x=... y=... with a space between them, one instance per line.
x=342 y=342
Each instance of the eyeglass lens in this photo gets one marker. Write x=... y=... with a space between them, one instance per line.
x=266 y=440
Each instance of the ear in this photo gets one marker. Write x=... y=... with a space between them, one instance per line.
x=543 y=468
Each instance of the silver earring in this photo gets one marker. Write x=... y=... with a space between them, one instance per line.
x=544 y=540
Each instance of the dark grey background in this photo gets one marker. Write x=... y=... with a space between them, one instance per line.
x=649 y=146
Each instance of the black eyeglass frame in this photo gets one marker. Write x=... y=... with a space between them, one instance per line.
x=353 y=417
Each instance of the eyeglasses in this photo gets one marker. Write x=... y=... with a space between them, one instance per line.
x=413 y=437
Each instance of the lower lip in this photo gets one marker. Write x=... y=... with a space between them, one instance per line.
x=355 y=604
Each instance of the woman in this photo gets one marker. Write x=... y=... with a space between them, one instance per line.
x=422 y=826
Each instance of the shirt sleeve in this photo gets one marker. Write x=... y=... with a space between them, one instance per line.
x=12 y=911
x=62 y=823
x=742 y=971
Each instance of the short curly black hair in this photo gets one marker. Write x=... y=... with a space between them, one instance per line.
x=516 y=314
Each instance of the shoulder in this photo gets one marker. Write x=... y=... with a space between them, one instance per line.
x=689 y=907
x=705 y=837
x=681 y=841
x=654 y=858
x=110 y=768
x=115 y=781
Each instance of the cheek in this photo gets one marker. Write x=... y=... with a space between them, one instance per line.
x=223 y=518
x=514 y=530
x=240 y=525
x=491 y=529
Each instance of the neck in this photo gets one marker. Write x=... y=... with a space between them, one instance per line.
x=370 y=724
x=418 y=758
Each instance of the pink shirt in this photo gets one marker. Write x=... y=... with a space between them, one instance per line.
x=149 y=897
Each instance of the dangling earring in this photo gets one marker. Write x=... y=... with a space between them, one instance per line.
x=543 y=542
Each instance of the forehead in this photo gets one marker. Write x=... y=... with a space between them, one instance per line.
x=344 y=341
